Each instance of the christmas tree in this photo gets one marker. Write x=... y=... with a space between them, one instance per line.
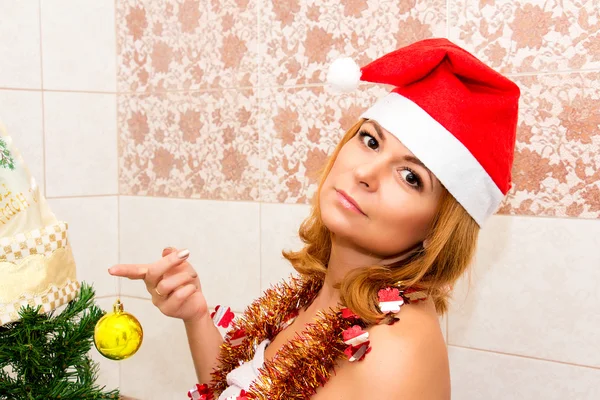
x=48 y=353
x=43 y=351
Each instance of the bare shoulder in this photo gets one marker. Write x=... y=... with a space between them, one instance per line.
x=408 y=358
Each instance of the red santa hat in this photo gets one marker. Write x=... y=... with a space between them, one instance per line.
x=454 y=113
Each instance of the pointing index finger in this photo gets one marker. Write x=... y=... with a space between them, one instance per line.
x=131 y=271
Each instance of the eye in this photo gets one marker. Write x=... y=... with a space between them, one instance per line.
x=411 y=178
x=368 y=140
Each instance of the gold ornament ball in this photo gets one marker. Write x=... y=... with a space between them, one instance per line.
x=118 y=335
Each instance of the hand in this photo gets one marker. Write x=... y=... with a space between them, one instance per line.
x=172 y=282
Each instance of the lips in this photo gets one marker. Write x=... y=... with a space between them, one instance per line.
x=350 y=200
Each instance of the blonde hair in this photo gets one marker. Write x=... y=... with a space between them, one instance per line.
x=434 y=268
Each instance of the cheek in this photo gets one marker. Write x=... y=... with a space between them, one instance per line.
x=402 y=225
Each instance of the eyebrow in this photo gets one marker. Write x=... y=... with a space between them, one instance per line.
x=378 y=130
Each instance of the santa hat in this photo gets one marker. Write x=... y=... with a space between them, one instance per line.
x=454 y=113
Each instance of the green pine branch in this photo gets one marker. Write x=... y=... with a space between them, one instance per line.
x=45 y=356
x=6 y=160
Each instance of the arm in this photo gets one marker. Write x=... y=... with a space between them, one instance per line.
x=176 y=291
x=205 y=340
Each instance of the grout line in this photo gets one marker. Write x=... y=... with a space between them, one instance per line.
x=526 y=357
x=260 y=156
x=44 y=174
x=165 y=92
x=118 y=160
x=258 y=102
x=120 y=368
x=308 y=85
x=116 y=49
x=129 y=296
x=260 y=248
x=548 y=217
x=119 y=291
x=561 y=72
x=82 y=196
x=197 y=199
x=86 y=196
x=57 y=90
x=26 y=89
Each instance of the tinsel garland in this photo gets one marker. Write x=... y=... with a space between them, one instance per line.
x=314 y=351
x=264 y=319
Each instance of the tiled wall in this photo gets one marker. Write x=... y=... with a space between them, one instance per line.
x=58 y=101
x=201 y=123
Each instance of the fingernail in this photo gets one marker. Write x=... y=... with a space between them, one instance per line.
x=194 y=275
x=183 y=254
x=110 y=270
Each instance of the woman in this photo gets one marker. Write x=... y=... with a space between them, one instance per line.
x=393 y=225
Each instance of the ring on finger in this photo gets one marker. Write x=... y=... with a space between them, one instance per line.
x=158 y=293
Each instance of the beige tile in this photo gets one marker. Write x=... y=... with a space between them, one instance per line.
x=223 y=238
x=20 y=45
x=300 y=127
x=534 y=291
x=198 y=145
x=279 y=225
x=21 y=114
x=299 y=39
x=109 y=370
x=81 y=144
x=527 y=35
x=483 y=375
x=163 y=367
x=78 y=44
x=93 y=232
x=186 y=45
x=556 y=171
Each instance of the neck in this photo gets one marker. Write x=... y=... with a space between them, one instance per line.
x=345 y=257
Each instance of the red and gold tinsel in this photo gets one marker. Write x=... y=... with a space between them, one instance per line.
x=314 y=351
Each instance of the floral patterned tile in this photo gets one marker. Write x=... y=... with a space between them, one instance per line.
x=192 y=145
x=528 y=35
x=557 y=159
x=299 y=128
x=299 y=39
x=186 y=44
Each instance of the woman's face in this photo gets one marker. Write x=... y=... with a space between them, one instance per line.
x=378 y=196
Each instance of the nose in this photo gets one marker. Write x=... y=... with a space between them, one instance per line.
x=369 y=174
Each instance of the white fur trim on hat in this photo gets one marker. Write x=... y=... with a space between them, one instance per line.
x=445 y=156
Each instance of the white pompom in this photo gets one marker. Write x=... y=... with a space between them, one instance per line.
x=344 y=74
